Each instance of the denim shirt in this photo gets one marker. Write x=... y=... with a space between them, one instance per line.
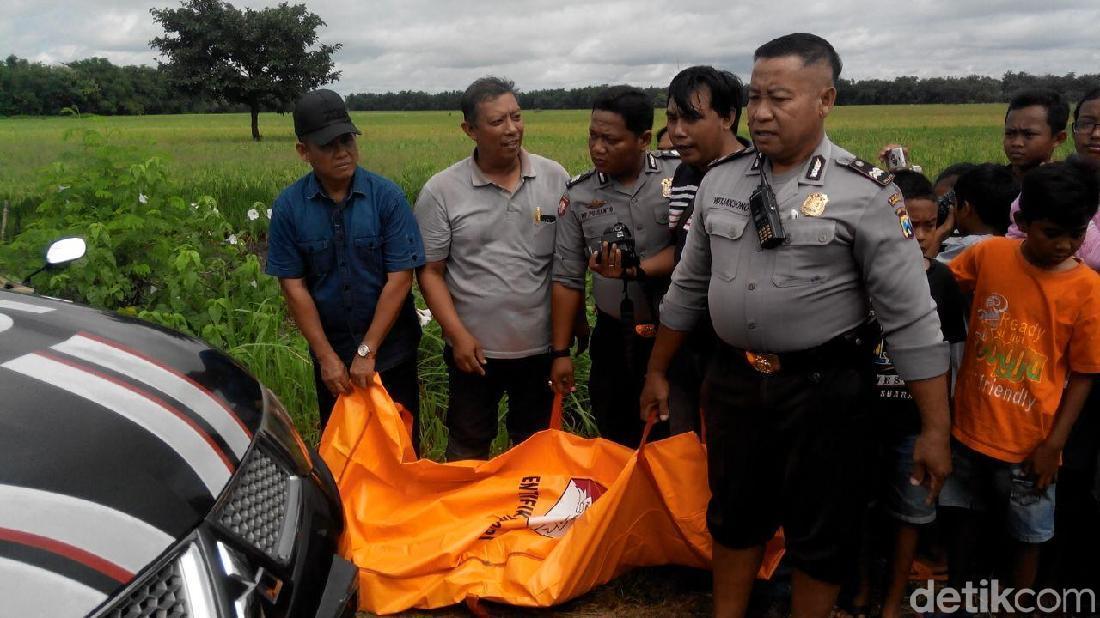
x=345 y=252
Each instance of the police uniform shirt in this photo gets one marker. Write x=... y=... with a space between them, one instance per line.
x=850 y=249
x=592 y=204
x=499 y=250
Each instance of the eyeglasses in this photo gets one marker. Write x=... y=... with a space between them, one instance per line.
x=1085 y=127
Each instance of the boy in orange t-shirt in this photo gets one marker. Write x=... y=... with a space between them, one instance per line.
x=1034 y=337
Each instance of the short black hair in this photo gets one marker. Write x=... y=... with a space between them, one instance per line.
x=955 y=169
x=1066 y=193
x=1091 y=95
x=1050 y=100
x=914 y=185
x=633 y=104
x=809 y=47
x=483 y=89
x=725 y=92
x=990 y=189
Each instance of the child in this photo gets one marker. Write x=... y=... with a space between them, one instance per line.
x=1034 y=334
x=1035 y=126
x=984 y=198
x=903 y=502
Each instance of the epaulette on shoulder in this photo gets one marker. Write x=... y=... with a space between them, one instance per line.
x=666 y=154
x=579 y=178
x=865 y=169
x=733 y=156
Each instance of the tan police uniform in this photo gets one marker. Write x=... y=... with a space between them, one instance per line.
x=592 y=204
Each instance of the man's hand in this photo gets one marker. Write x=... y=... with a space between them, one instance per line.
x=654 y=396
x=335 y=375
x=607 y=262
x=1043 y=464
x=942 y=232
x=362 y=370
x=561 y=375
x=469 y=357
x=931 y=463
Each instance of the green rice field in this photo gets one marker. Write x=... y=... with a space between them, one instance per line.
x=213 y=155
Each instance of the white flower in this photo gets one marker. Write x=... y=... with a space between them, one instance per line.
x=232 y=239
x=254 y=284
x=253 y=214
x=424 y=316
x=194 y=206
x=269 y=213
x=142 y=198
x=61 y=188
x=152 y=289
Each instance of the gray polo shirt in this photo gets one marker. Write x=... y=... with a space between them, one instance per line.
x=498 y=248
x=851 y=249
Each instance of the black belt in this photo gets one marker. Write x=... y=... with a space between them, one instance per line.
x=853 y=347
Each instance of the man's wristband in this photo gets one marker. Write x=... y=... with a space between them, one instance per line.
x=559 y=353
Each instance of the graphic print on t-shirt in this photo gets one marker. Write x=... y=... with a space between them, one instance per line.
x=1007 y=351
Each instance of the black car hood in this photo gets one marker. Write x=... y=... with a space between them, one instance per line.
x=116 y=438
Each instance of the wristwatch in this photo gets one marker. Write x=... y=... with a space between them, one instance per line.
x=559 y=353
x=365 y=350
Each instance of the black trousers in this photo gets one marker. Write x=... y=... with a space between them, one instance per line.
x=1077 y=505
x=474 y=400
x=400 y=382
x=615 y=381
x=685 y=379
x=790 y=449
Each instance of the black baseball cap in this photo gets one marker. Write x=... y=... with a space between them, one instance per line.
x=321 y=116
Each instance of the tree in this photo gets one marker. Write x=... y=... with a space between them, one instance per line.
x=262 y=59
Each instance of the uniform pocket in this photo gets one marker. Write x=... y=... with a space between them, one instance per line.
x=805 y=258
x=542 y=239
x=367 y=247
x=725 y=232
x=660 y=214
x=319 y=257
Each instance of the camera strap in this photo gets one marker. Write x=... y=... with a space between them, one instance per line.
x=626 y=308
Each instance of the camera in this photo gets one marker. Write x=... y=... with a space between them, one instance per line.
x=896 y=159
x=619 y=235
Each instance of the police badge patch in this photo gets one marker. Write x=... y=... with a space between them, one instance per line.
x=666 y=187
x=815 y=204
x=563 y=205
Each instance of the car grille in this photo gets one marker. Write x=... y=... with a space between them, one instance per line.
x=161 y=595
x=257 y=508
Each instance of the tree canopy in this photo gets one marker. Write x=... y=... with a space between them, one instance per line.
x=264 y=59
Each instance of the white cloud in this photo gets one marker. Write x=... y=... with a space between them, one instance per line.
x=443 y=45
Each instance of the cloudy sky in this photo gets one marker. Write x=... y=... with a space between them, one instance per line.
x=444 y=44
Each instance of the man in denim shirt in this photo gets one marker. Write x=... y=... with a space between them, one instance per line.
x=343 y=243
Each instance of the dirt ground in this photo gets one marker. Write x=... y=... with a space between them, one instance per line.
x=657 y=591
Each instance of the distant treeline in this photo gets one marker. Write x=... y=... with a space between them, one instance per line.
x=97 y=86
x=93 y=86
x=905 y=90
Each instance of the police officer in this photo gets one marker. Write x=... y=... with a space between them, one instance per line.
x=789 y=296
x=607 y=217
